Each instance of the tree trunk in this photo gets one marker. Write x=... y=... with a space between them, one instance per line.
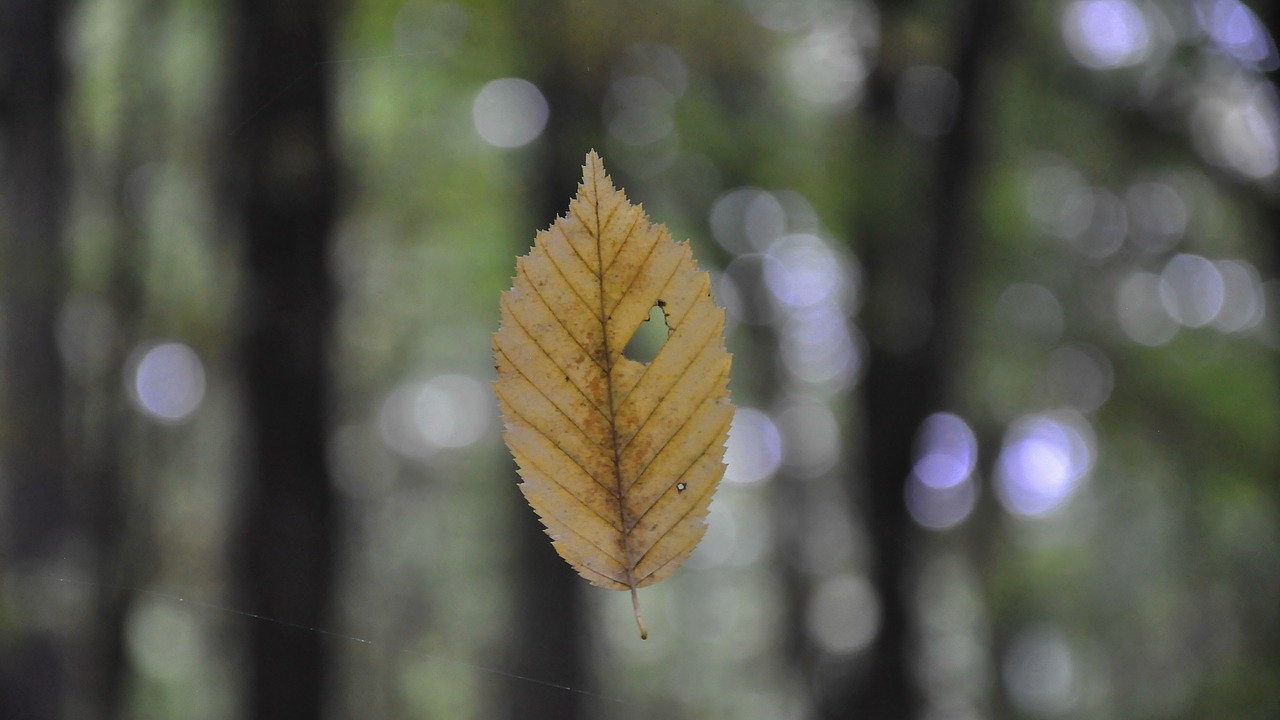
x=34 y=527
x=908 y=378
x=282 y=176
x=551 y=624
x=1268 y=633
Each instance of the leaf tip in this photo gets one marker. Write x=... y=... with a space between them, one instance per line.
x=593 y=168
x=594 y=162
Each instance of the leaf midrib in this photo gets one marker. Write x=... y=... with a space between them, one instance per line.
x=598 y=233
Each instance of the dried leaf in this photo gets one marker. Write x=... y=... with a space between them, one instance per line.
x=618 y=458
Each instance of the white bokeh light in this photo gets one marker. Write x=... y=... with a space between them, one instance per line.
x=1234 y=27
x=447 y=412
x=1106 y=34
x=843 y=615
x=738 y=532
x=168 y=381
x=940 y=508
x=1044 y=459
x=827 y=68
x=450 y=411
x=1158 y=216
x=509 y=112
x=946 y=451
x=1140 y=310
x=728 y=219
x=1040 y=673
x=1235 y=125
x=754 y=450
x=1191 y=290
x=748 y=220
x=1243 y=305
x=818 y=347
x=1105 y=226
x=807 y=273
x=940 y=492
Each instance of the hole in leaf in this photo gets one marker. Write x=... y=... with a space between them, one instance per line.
x=680 y=487
x=650 y=337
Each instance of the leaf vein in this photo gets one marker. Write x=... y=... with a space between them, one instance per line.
x=632 y=282
x=552 y=477
x=559 y=321
x=557 y=365
x=662 y=394
x=585 y=262
x=631 y=230
x=568 y=283
x=710 y=395
x=553 y=404
x=711 y=488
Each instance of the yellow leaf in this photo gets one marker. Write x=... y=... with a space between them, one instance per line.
x=618 y=458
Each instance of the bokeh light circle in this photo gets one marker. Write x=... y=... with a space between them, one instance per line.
x=167 y=381
x=509 y=112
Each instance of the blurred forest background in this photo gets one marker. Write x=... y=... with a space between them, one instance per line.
x=1001 y=280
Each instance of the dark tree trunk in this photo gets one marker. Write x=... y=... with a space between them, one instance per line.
x=550 y=630
x=549 y=634
x=33 y=669
x=550 y=609
x=283 y=183
x=551 y=624
x=117 y=512
x=1268 y=635
x=909 y=374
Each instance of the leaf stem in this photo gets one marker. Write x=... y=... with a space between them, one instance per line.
x=635 y=605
